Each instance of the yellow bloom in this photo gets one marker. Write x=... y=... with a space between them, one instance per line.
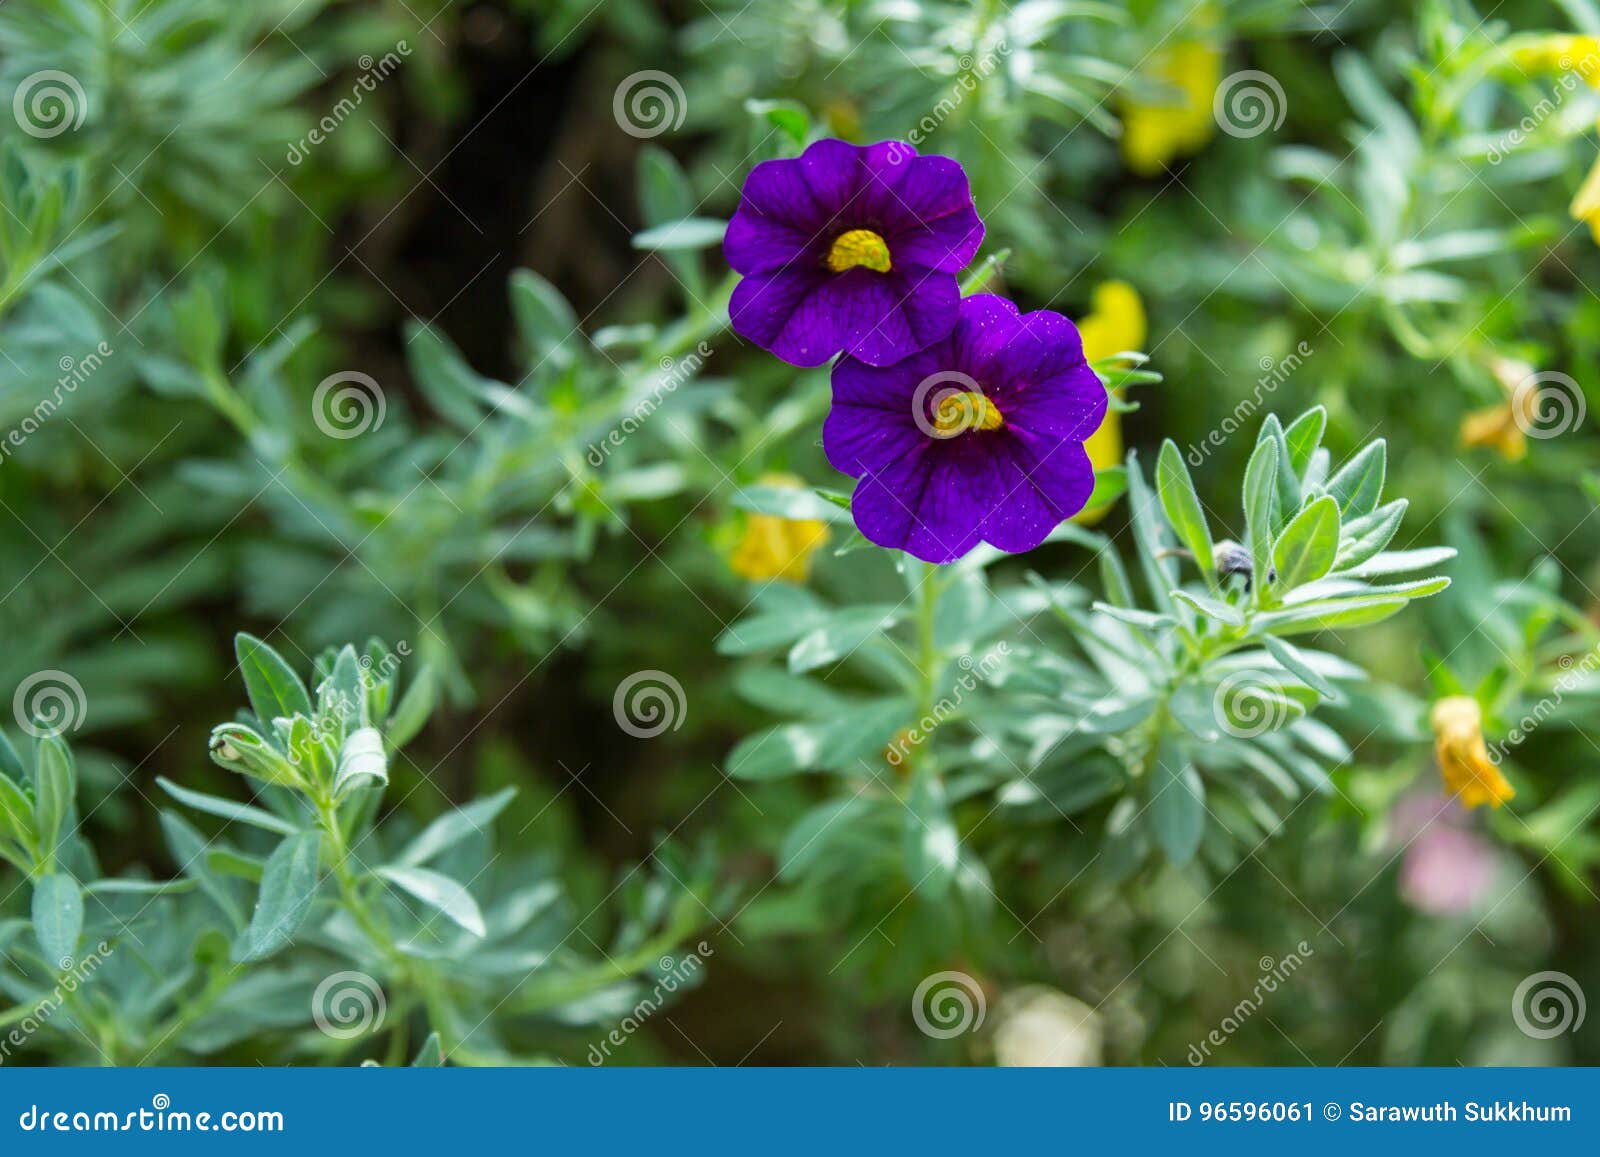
x=1153 y=134
x=778 y=548
x=1116 y=324
x=1463 y=758
x=1561 y=52
x=1586 y=205
x=1495 y=428
x=1501 y=428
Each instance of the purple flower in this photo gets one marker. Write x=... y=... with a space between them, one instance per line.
x=851 y=248
x=979 y=437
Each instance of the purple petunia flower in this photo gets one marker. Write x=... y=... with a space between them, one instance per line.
x=979 y=437
x=850 y=248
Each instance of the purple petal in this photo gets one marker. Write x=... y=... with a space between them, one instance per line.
x=913 y=503
x=929 y=219
x=890 y=316
x=785 y=311
x=756 y=244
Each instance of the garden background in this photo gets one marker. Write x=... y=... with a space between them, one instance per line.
x=402 y=325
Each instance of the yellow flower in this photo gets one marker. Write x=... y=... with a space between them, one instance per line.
x=1116 y=324
x=1495 y=428
x=778 y=548
x=1153 y=134
x=1463 y=758
x=1561 y=52
x=1501 y=428
x=1586 y=205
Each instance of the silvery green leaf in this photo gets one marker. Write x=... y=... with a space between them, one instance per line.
x=439 y=892
x=1177 y=803
x=54 y=790
x=227 y=808
x=288 y=884
x=361 y=759
x=839 y=636
x=57 y=918
x=1182 y=505
x=837 y=744
x=1359 y=483
x=454 y=826
x=274 y=689
x=1212 y=608
x=1305 y=551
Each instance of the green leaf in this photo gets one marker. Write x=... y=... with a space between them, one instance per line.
x=431 y=1054
x=790 y=117
x=275 y=691
x=839 y=637
x=546 y=323
x=1359 y=483
x=1110 y=484
x=454 y=826
x=16 y=813
x=54 y=789
x=1297 y=664
x=361 y=762
x=1365 y=536
x=414 y=709
x=1177 y=803
x=1303 y=437
x=818 y=830
x=859 y=733
x=288 y=884
x=1182 y=505
x=188 y=848
x=343 y=693
x=10 y=762
x=664 y=190
x=449 y=384
x=1329 y=616
x=226 y=808
x=1211 y=608
x=1306 y=549
x=1260 y=506
x=439 y=892
x=58 y=918
x=932 y=845
x=689 y=233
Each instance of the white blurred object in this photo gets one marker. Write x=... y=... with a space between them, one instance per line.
x=1040 y=1027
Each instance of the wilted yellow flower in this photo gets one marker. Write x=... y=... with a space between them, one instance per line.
x=1463 y=757
x=1154 y=134
x=1562 y=52
x=1586 y=205
x=1495 y=428
x=778 y=548
x=1502 y=428
x=1115 y=324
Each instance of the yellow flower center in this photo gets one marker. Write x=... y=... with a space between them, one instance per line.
x=859 y=247
x=968 y=410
